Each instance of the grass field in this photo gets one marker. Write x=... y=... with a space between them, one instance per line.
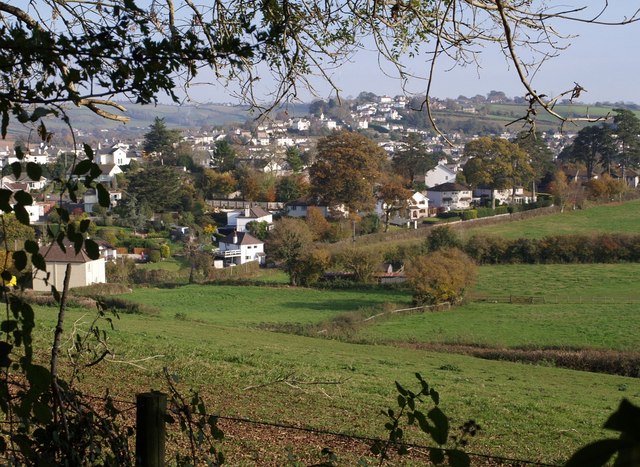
x=212 y=337
x=527 y=412
x=616 y=217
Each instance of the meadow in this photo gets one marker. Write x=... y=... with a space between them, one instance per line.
x=603 y=218
x=214 y=337
x=228 y=342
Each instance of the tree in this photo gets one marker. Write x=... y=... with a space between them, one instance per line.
x=69 y=55
x=318 y=224
x=291 y=187
x=440 y=277
x=414 y=159
x=161 y=140
x=214 y=184
x=362 y=263
x=147 y=185
x=540 y=155
x=497 y=163
x=590 y=146
x=260 y=230
x=627 y=129
x=289 y=242
x=224 y=157
x=346 y=169
x=393 y=197
x=294 y=159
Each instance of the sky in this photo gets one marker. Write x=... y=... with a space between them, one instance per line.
x=602 y=59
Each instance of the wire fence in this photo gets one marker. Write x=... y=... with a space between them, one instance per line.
x=554 y=300
x=332 y=439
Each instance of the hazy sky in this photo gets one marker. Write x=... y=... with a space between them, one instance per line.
x=605 y=60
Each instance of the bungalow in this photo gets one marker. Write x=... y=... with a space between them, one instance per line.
x=84 y=270
x=240 y=248
x=450 y=196
x=300 y=208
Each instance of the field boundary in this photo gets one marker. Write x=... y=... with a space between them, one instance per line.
x=552 y=300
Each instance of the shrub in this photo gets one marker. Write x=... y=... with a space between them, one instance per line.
x=442 y=237
x=155 y=256
x=469 y=214
x=442 y=276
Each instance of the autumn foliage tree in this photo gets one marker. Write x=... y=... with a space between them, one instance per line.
x=346 y=169
x=440 y=277
x=497 y=163
x=393 y=196
x=289 y=242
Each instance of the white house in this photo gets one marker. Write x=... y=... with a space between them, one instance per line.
x=84 y=270
x=506 y=196
x=438 y=175
x=109 y=172
x=115 y=155
x=418 y=206
x=252 y=214
x=240 y=248
x=449 y=196
x=300 y=208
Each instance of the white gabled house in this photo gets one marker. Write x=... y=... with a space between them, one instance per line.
x=240 y=248
x=418 y=206
x=438 y=175
x=84 y=270
x=450 y=196
x=506 y=196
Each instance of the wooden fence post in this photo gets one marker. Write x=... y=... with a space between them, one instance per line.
x=151 y=409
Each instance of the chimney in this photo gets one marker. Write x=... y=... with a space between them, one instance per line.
x=235 y=237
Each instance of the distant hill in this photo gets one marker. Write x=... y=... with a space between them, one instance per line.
x=141 y=116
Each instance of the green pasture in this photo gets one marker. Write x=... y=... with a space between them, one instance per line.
x=240 y=306
x=604 y=218
x=526 y=412
x=592 y=306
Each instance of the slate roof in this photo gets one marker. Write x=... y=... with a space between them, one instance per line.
x=53 y=254
x=450 y=186
x=243 y=239
x=255 y=212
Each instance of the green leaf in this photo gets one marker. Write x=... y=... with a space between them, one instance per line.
x=401 y=401
x=19 y=153
x=458 y=458
x=34 y=171
x=436 y=455
x=5 y=199
x=6 y=275
x=103 y=196
x=23 y=198
x=400 y=389
x=31 y=246
x=5 y=351
x=38 y=261
x=16 y=169
x=88 y=151
x=440 y=430
x=92 y=249
x=39 y=113
x=83 y=167
x=64 y=215
x=21 y=214
x=95 y=171
x=595 y=454
x=84 y=225
x=20 y=260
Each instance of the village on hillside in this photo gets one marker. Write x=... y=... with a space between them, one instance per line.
x=225 y=186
